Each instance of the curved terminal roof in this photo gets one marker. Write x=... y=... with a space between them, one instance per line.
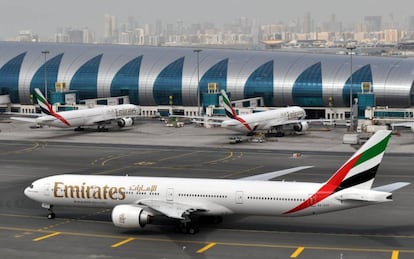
x=165 y=75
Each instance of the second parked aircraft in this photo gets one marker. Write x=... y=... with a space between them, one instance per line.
x=123 y=115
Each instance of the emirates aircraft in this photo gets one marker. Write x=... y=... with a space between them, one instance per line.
x=136 y=200
x=123 y=114
x=264 y=121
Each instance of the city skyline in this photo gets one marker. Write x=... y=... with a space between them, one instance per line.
x=45 y=16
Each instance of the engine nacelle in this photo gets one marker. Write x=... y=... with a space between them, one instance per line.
x=125 y=122
x=302 y=126
x=130 y=216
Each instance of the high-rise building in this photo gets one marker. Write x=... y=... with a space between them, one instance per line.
x=110 y=29
x=307 y=23
x=411 y=24
x=372 y=23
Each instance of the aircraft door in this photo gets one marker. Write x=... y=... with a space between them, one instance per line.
x=47 y=190
x=170 y=194
x=312 y=200
x=239 y=197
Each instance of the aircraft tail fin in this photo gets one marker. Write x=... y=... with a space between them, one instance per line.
x=359 y=171
x=228 y=108
x=45 y=106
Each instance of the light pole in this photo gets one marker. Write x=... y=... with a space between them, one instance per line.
x=45 y=52
x=351 y=49
x=197 y=51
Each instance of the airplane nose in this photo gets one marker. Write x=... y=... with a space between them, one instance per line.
x=26 y=191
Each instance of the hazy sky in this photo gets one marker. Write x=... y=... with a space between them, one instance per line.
x=44 y=16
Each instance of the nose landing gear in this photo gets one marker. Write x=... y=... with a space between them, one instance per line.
x=49 y=207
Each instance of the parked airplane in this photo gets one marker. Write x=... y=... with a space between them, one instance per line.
x=271 y=120
x=99 y=116
x=136 y=200
x=266 y=120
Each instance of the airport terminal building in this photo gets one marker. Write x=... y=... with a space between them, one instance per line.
x=170 y=75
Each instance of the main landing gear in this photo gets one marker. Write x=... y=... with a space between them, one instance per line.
x=188 y=228
x=189 y=225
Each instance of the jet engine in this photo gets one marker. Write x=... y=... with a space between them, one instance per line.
x=125 y=122
x=302 y=126
x=130 y=216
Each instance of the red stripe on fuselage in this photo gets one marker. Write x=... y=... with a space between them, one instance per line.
x=59 y=117
x=326 y=190
x=243 y=122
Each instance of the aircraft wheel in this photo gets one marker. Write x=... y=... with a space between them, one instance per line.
x=192 y=230
x=51 y=215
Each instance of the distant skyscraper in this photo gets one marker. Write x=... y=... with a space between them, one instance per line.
x=75 y=36
x=307 y=23
x=411 y=23
x=88 y=36
x=372 y=23
x=110 y=29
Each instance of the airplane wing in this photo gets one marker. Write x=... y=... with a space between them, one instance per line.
x=174 y=210
x=407 y=124
x=271 y=175
x=202 y=119
x=25 y=119
x=391 y=187
x=287 y=122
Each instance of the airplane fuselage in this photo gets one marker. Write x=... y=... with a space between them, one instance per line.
x=218 y=197
x=88 y=117
x=264 y=120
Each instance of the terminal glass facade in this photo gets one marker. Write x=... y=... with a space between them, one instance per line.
x=216 y=74
x=52 y=69
x=307 y=89
x=280 y=78
x=9 y=77
x=125 y=81
x=260 y=83
x=363 y=74
x=85 y=79
x=167 y=86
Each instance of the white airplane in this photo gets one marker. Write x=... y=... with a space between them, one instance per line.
x=99 y=116
x=266 y=120
x=270 y=120
x=136 y=200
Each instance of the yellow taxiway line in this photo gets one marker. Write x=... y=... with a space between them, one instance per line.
x=205 y=248
x=46 y=236
x=395 y=254
x=123 y=242
x=297 y=252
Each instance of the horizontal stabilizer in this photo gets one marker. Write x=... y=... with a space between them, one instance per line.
x=391 y=187
x=271 y=175
x=364 y=195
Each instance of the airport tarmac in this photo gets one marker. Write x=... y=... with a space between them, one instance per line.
x=150 y=149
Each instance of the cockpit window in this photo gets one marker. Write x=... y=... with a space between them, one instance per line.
x=31 y=186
